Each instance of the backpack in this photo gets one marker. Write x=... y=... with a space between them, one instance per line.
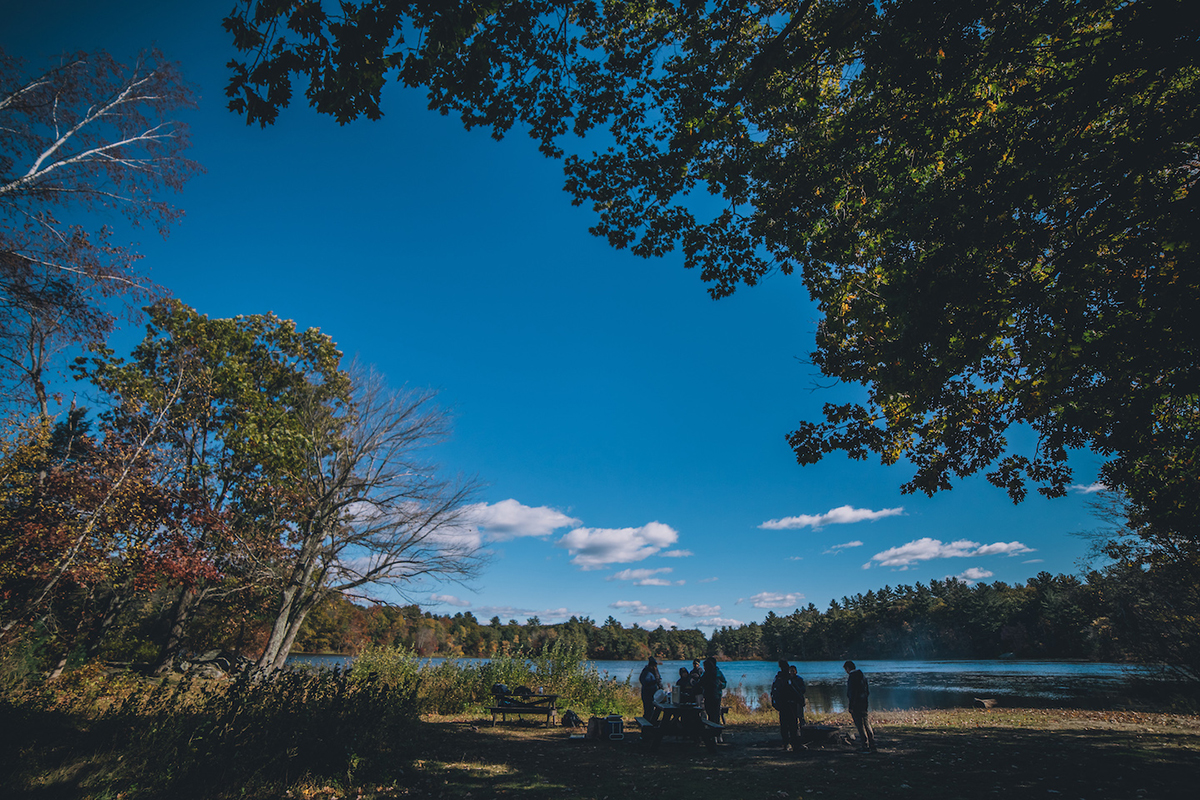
x=775 y=693
x=721 y=683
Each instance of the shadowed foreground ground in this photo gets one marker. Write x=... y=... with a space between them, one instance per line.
x=931 y=755
x=927 y=755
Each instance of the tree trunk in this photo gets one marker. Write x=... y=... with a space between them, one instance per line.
x=300 y=611
x=278 y=630
x=189 y=600
x=116 y=604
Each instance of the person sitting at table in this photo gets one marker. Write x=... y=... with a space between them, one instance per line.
x=686 y=692
x=651 y=682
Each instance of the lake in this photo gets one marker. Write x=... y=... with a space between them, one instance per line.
x=899 y=685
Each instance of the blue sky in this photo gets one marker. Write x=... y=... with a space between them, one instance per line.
x=629 y=430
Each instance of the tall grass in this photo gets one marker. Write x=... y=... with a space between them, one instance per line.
x=453 y=687
x=202 y=738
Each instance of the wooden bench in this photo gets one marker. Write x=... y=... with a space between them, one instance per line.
x=521 y=705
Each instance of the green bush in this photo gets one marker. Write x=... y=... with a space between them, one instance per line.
x=453 y=687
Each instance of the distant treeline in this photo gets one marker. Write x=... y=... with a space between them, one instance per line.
x=1050 y=616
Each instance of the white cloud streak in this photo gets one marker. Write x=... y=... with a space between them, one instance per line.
x=505 y=613
x=837 y=548
x=719 y=622
x=776 y=599
x=637 y=608
x=1090 y=488
x=842 y=515
x=926 y=549
x=450 y=600
x=644 y=577
x=699 y=611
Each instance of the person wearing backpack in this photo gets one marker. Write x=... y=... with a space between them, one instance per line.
x=857 y=691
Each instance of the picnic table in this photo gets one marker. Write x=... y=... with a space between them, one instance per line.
x=522 y=704
x=684 y=720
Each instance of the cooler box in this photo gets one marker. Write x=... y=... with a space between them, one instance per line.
x=614 y=727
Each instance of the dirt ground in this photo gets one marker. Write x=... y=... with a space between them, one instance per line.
x=930 y=755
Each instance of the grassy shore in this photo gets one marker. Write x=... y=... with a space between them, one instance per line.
x=922 y=754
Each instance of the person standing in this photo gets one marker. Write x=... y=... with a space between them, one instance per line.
x=712 y=684
x=651 y=682
x=787 y=695
x=857 y=692
x=799 y=688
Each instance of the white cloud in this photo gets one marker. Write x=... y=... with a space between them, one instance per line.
x=974 y=574
x=644 y=577
x=651 y=624
x=1033 y=561
x=719 y=622
x=677 y=554
x=926 y=549
x=595 y=548
x=839 y=547
x=505 y=613
x=1003 y=548
x=637 y=608
x=795 y=558
x=449 y=600
x=510 y=519
x=708 y=580
x=699 y=611
x=1091 y=488
x=776 y=599
x=835 y=516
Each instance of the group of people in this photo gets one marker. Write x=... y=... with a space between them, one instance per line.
x=708 y=684
x=787 y=695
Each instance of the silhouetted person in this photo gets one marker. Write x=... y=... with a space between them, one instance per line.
x=696 y=672
x=686 y=692
x=712 y=684
x=857 y=692
x=787 y=695
x=651 y=682
x=799 y=687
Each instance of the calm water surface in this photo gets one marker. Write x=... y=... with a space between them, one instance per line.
x=899 y=685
